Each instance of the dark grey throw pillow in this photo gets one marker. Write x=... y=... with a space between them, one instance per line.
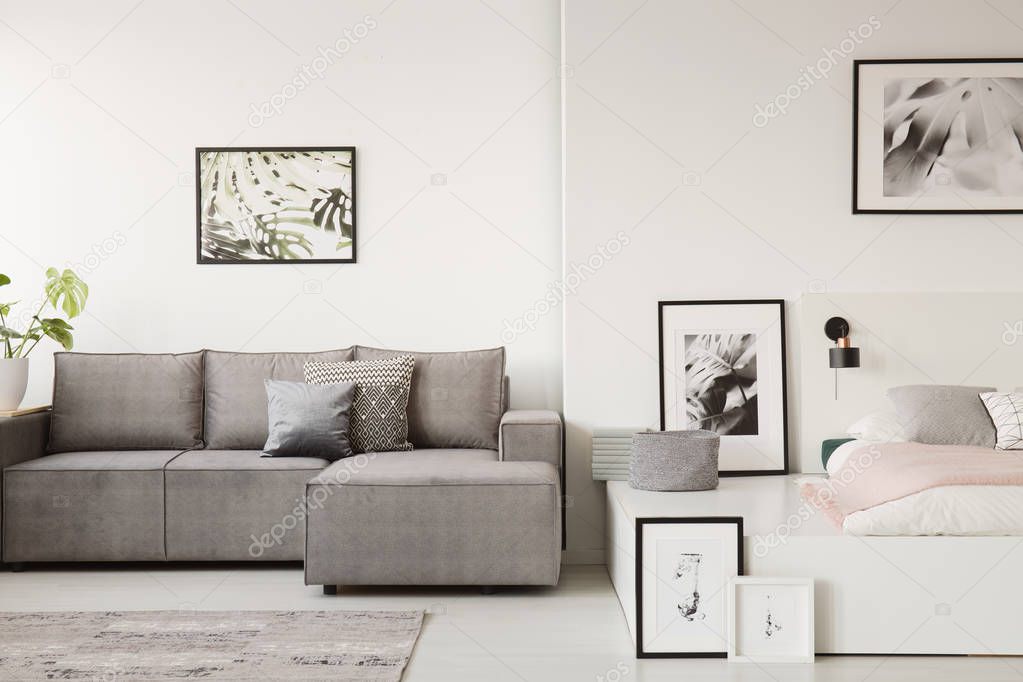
x=944 y=415
x=308 y=421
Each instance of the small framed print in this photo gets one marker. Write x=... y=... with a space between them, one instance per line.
x=275 y=205
x=770 y=620
x=723 y=370
x=682 y=570
x=938 y=136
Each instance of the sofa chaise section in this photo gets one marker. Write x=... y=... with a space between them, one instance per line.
x=434 y=517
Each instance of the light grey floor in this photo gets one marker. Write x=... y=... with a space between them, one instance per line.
x=574 y=632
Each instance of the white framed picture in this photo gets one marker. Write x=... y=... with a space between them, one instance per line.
x=683 y=565
x=770 y=620
x=937 y=135
x=723 y=370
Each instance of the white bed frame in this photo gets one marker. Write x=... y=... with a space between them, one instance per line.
x=905 y=595
x=889 y=595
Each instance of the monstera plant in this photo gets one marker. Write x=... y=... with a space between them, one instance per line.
x=66 y=293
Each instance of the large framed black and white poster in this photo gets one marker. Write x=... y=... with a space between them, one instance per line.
x=683 y=567
x=723 y=370
x=275 y=204
x=938 y=136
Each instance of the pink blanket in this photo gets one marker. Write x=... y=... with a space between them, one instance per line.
x=878 y=473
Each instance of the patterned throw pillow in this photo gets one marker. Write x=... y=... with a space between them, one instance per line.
x=379 y=419
x=1006 y=410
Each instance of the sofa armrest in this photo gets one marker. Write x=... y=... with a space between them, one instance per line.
x=21 y=438
x=531 y=436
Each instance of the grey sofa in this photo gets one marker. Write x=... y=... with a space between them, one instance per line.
x=157 y=458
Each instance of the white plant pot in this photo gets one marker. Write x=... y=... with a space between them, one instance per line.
x=13 y=382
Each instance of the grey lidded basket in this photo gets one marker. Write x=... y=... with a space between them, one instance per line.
x=674 y=460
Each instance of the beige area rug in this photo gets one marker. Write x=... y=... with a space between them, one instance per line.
x=211 y=645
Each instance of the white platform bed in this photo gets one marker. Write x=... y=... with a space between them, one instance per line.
x=873 y=595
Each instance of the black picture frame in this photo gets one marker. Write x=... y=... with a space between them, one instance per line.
x=856 y=209
x=198 y=207
x=661 y=305
x=640 y=523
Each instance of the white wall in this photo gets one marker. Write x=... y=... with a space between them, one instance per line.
x=661 y=144
x=102 y=105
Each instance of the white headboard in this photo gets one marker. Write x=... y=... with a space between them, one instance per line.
x=904 y=338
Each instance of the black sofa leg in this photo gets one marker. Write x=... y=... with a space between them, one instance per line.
x=488 y=589
x=330 y=589
x=17 y=567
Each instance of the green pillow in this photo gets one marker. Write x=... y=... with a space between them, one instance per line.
x=828 y=447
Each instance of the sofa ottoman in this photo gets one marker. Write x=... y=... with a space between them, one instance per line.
x=433 y=517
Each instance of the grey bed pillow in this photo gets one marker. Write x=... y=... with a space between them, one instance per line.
x=308 y=421
x=944 y=415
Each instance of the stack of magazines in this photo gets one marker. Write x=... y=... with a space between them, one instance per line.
x=612 y=449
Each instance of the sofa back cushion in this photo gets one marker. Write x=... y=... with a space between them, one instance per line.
x=236 y=404
x=126 y=401
x=457 y=398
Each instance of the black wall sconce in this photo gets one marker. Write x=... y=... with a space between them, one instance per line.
x=843 y=355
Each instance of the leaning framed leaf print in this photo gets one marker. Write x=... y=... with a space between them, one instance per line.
x=938 y=136
x=723 y=370
x=275 y=204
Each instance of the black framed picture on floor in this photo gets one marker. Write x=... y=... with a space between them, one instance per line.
x=275 y=205
x=938 y=136
x=723 y=370
x=683 y=566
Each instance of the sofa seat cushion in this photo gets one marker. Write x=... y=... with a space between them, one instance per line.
x=86 y=506
x=110 y=460
x=236 y=505
x=434 y=517
x=438 y=467
x=236 y=404
x=126 y=401
x=457 y=398
x=242 y=460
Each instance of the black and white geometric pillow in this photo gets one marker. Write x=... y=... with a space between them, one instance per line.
x=379 y=416
x=1006 y=410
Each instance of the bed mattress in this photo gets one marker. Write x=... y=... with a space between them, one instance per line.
x=946 y=510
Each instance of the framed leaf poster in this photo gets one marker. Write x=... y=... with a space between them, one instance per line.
x=723 y=370
x=938 y=136
x=275 y=204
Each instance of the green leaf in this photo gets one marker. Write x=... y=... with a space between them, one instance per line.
x=66 y=291
x=4 y=279
x=58 y=330
x=8 y=333
x=5 y=308
x=54 y=322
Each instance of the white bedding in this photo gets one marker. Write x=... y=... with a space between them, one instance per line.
x=948 y=510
